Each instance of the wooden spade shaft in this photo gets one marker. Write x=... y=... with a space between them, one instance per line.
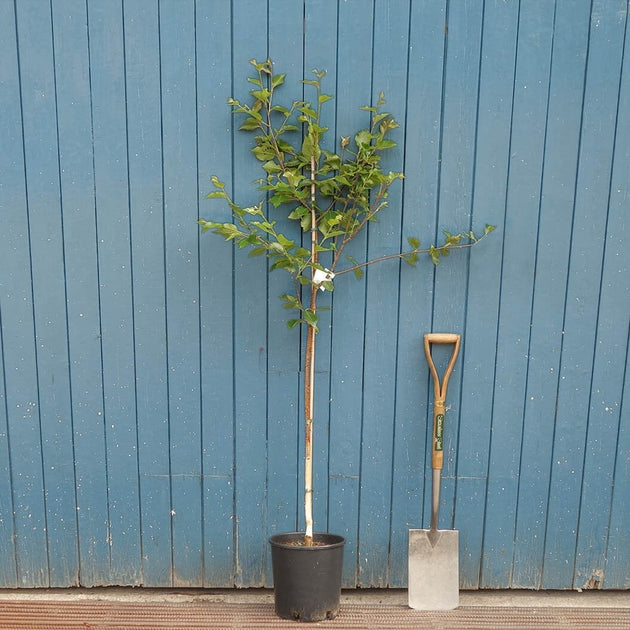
x=439 y=399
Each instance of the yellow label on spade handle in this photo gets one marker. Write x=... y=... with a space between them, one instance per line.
x=439 y=432
x=438 y=436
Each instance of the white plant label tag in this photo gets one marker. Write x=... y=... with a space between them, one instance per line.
x=322 y=275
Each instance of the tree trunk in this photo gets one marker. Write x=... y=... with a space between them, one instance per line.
x=309 y=381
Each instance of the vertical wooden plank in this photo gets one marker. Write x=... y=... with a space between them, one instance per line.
x=77 y=188
x=423 y=109
x=552 y=258
x=617 y=572
x=214 y=86
x=177 y=54
x=144 y=120
x=608 y=28
x=523 y=198
x=116 y=300
x=458 y=137
x=389 y=75
x=354 y=43
x=47 y=238
x=51 y=405
x=614 y=287
x=8 y=574
x=16 y=315
x=83 y=314
x=250 y=327
x=580 y=321
x=285 y=415
x=492 y=154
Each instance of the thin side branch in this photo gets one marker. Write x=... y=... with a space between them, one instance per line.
x=402 y=255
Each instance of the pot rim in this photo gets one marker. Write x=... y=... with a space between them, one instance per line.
x=284 y=540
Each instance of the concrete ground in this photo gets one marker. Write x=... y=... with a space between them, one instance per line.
x=394 y=597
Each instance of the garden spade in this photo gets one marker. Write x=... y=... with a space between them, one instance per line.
x=434 y=553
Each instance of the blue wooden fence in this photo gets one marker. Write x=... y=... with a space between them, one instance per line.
x=149 y=389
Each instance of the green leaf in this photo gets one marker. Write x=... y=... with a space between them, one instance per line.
x=228 y=231
x=298 y=213
x=435 y=255
x=324 y=248
x=305 y=222
x=283 y=110
x=411 y=259
x=249 y=125
x=271 y=167
x=387 y=125
x=285 y=242
x=282 y=263
x=385 y=144
x=293 y=178
x=285 y=146
x=282 y=196
x=308 y=111
x=328 y=187
x=332 y=160
x=263 y=153
x=318 y=129
x=363 y=138
x=290 y=301
x=286 y=128
x=265 y=226
x=414 y=242
x=216 y=194
x=278 y=79
x=261 y=95
x=452 y=239
x=311 y=318
x=310 y=148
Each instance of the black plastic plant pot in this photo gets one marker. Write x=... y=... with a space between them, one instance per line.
x=307 y=580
